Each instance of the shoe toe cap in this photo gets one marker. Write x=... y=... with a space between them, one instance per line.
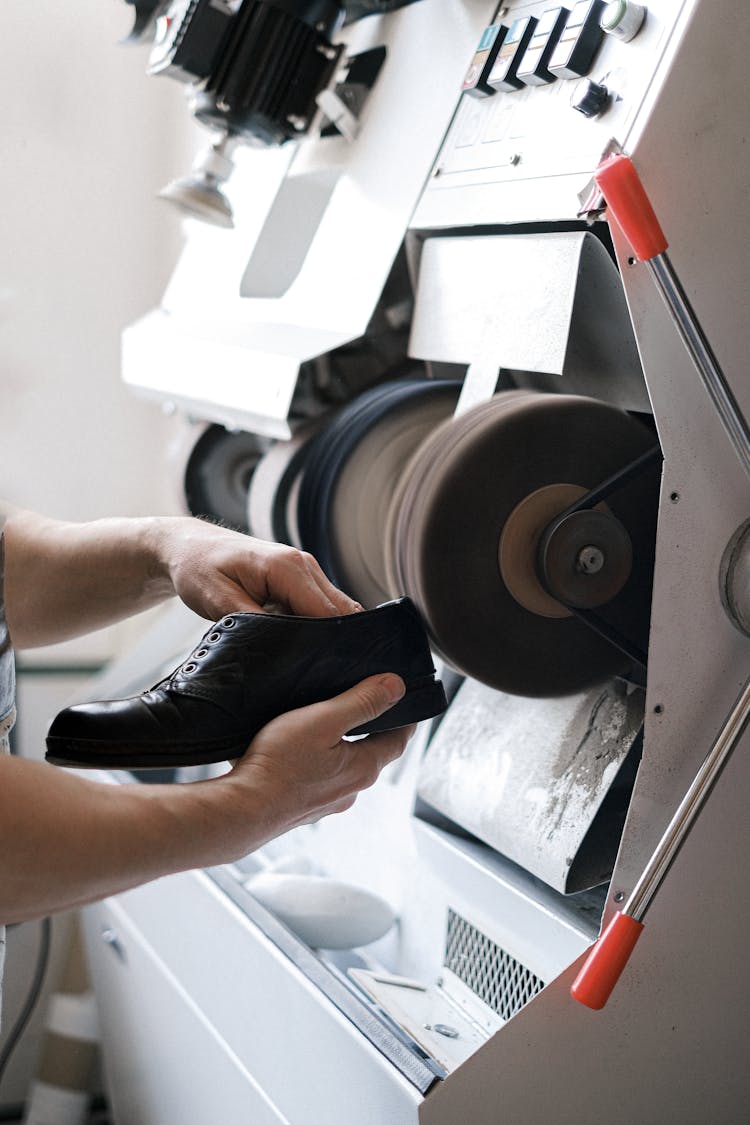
x=97 y=720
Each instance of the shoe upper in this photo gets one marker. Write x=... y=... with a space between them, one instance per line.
x=250 y=667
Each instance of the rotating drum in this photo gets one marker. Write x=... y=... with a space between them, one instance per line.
x=218 y=474
x=351 y=475
x=275 y=486
x=464 y=525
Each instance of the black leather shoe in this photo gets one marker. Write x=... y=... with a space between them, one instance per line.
x=248 y=668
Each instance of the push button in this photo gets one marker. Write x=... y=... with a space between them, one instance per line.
x=581 y=38
x=475 y=82
x=534 y=69
x=503 y=75
x=623 y=19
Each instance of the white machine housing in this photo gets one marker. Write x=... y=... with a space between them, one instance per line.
x=191 y=968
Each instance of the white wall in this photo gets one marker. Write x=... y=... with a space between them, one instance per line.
x=86 y=140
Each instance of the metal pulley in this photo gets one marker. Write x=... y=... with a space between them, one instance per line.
x=586 y=558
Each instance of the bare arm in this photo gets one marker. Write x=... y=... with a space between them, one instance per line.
x=65 y=840
x=66 y=579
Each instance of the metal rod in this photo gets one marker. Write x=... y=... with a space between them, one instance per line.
x=689 y=807
x=702 y=354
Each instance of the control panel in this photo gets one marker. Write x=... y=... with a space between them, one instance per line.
x=549 y=88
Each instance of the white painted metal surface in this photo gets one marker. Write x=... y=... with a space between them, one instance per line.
x=137 y=989
x=267 y=1022
x=671 y=1044
x=549 y=303
x=213 y=350
x=534 y=144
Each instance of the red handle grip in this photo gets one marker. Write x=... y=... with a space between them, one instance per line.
x=623 y=191
x=604 y=964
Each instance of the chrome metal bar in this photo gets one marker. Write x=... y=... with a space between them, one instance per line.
x=703 y=356
x=689 y=807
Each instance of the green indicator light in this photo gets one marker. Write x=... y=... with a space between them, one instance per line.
x=612 y=15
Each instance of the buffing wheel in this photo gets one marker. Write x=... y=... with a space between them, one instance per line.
x=346 y=534
x=448 y=521
x=218 y=474
x=272 y=483
x=365 y=487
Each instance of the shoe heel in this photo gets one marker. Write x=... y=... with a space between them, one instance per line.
x=421 y=703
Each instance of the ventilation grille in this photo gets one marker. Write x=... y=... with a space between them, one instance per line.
x=503 y=983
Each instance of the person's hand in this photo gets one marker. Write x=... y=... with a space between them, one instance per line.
x=216 y=571
x=299 y=768
x=108 y=838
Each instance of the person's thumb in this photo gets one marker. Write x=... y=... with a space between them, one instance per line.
x=359 y=705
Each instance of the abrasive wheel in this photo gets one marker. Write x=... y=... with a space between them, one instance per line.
x=272 y=485
x=466 y=524
x=352 y=472
x=218 y=474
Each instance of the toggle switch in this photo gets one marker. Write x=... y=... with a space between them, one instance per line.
x=590 y=98
x=503 y=75
x=475 y=82
x=534 y=70
x=582 y=35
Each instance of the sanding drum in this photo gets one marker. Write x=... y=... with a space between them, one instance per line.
x=328 y=489
x=352 y=471
x=512 y=599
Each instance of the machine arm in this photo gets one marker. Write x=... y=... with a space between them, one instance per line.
x=627 y=201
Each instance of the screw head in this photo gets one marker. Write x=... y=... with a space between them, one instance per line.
x=590 y=560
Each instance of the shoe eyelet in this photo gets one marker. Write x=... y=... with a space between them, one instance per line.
x=201 y=653
x=229 y=623
x=189 y=667
x=214 y=637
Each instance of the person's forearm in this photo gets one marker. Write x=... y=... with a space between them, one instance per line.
x=65 y=840
x=66 y=579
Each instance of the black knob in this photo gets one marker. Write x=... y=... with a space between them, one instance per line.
x=590 y=98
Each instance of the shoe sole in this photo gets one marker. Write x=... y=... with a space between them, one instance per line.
x=418 y=704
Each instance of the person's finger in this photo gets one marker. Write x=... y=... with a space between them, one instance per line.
x=363 y=703
x=368 y=757
x=223 y=596
x=296 y=579
x=327 y=722
x=340 y=601
x=286 y=578
x=389 y=745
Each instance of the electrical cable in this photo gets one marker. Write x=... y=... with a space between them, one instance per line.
x=35 y=989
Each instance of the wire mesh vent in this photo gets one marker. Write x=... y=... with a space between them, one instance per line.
x=503 y=983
